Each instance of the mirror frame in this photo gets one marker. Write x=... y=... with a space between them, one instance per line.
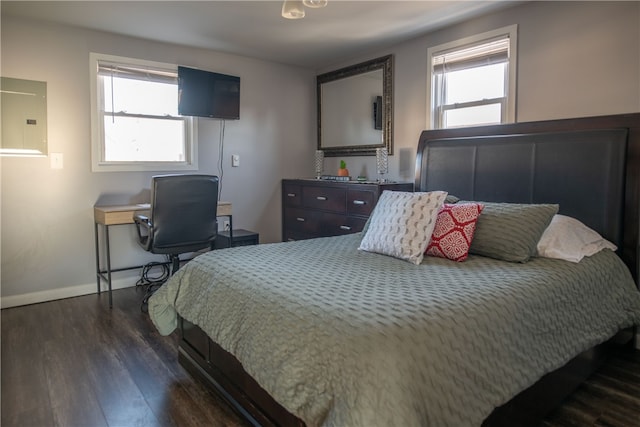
x=384 y=63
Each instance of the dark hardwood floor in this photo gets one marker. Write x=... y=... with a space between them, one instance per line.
x=610 y=397
x=74 y=362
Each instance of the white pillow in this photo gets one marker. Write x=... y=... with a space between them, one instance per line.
x=402 y=223
x=569 y=239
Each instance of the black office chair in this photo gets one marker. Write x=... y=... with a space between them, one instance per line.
x=182 y=217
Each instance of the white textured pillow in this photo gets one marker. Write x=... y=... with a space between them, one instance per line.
x=402 y=223
x=569 y=239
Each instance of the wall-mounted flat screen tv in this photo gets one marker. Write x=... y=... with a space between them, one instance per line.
x=208 y=94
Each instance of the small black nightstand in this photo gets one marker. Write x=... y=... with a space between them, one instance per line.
x=240 y=238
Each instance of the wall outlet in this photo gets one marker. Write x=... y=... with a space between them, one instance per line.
x=225 y=225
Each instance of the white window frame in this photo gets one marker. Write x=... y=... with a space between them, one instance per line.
x=98 y=163
x=508 y=106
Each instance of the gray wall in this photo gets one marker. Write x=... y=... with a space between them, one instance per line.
x=574 y=59
x=47 y=214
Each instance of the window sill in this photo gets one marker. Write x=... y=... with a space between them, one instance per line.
x=144 y=167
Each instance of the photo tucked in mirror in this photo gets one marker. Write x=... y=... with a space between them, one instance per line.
x=355 y=109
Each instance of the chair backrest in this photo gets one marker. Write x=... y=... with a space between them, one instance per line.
x=183 y=212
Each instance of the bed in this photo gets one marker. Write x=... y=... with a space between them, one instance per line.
x=318 y=332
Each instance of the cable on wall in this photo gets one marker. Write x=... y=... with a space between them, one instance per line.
x=221 y=158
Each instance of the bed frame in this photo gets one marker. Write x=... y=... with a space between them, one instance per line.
x=590 y=166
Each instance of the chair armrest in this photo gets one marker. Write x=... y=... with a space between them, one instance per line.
x=139 y=218
x=144 y=229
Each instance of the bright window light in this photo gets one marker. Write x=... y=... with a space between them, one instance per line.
x=475 y=84
x=472 y=81
x=135 y=124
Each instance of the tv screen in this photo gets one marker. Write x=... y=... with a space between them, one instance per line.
x=207 y=94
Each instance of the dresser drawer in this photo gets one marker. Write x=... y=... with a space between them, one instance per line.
x=360 y=202
x=292 y=235
x=325 y=198
x=302 y=220
x=292 y=194
x=336 y=225
x=313 y=208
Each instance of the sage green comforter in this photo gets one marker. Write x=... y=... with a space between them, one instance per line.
x=342 y=337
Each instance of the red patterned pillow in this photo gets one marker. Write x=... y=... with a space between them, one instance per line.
x=454 y=231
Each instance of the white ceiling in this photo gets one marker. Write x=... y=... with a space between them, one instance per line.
x=341 y=30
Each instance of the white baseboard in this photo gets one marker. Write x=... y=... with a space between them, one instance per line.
x=68 y=292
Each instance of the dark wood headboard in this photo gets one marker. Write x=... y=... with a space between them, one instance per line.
x=589 y=166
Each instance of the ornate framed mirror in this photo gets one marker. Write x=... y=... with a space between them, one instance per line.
x=355 y=109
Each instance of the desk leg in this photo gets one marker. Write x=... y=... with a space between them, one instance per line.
x=98 y=279
x=230 y=230
x=106 y=237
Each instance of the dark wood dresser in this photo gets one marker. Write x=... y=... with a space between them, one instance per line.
x=317 y=208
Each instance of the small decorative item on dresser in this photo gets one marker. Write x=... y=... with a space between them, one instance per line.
x=382 y=163
x=343 y=171
x=319 y=163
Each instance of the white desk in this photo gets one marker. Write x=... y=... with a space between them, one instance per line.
x=107 y=216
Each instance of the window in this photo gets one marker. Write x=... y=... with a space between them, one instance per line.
x=134 y=119
x=472 y=81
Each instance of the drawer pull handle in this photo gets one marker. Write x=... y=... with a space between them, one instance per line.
x=345 y=227
x=291 y=194
x=321 y=198
x=359 y=202
x=300 y=219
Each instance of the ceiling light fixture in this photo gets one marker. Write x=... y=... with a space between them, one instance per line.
x=314 y=4
x=294 y=9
